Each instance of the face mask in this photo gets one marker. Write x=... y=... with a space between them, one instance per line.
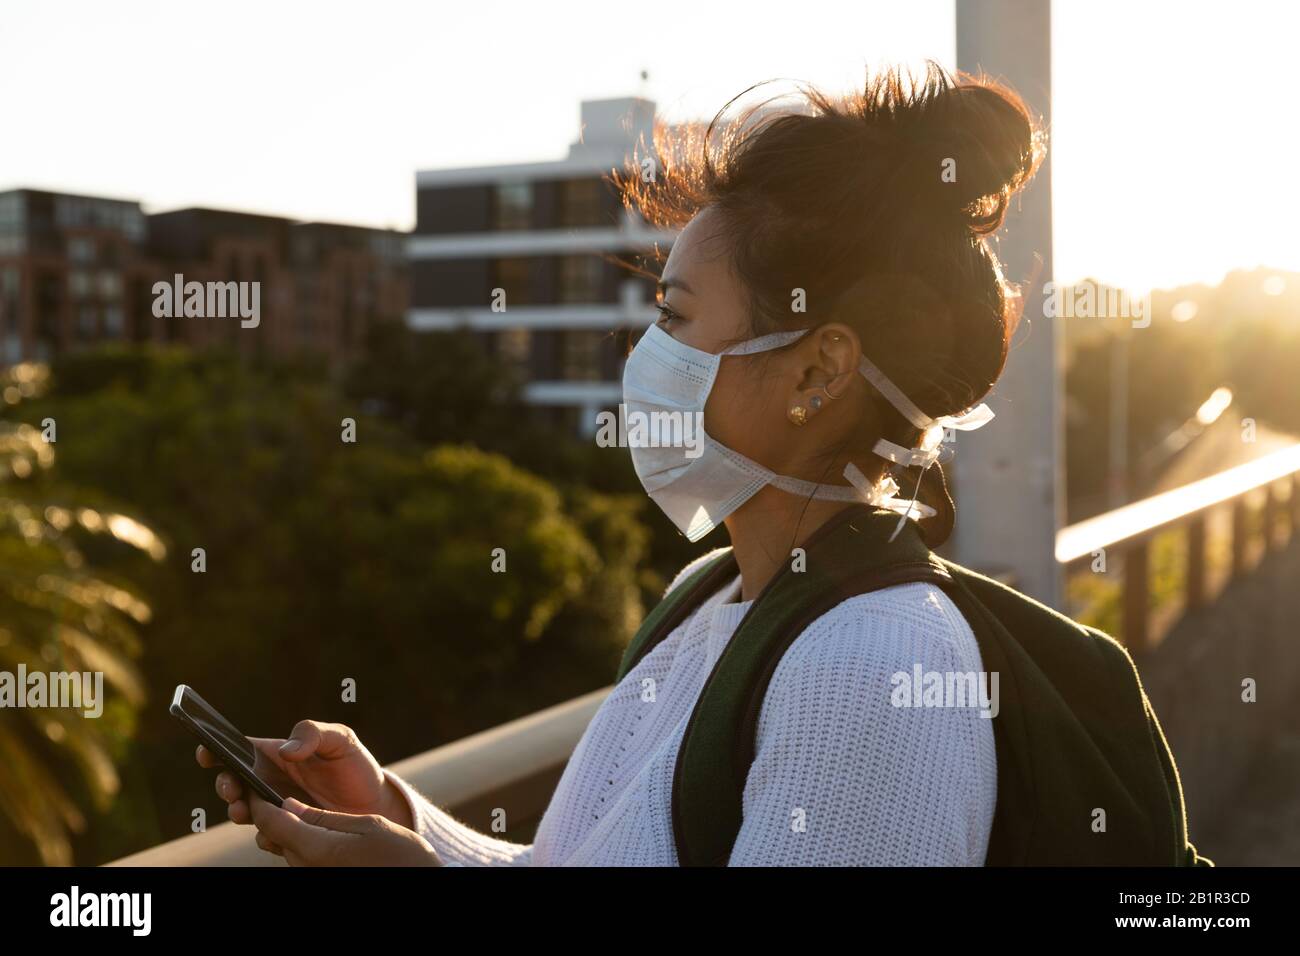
x=698 y=481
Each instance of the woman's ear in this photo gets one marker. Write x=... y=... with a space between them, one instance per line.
x=830 y=355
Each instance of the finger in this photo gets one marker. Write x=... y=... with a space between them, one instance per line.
x=229 y=787
x=313 y=738
x=239 y=812
x=330 y=820
x=205 y=758
x=311 y=845
x=269 y=746
x=264 y=844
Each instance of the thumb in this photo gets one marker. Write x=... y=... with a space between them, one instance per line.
x=328 y=819
x=311 y=738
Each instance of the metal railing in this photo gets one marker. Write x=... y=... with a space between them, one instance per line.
x=1127 y=532
x=517 y=764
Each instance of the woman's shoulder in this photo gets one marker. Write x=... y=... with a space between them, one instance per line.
x=841 y=735
x=848 y=680
x=692 y=567
x=895 y=628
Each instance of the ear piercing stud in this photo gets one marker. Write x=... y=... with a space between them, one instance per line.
x=799 y=414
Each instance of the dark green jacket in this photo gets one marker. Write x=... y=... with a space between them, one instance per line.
x=1075 y=733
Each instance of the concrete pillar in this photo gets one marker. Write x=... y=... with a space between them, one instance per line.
x=1009 y=476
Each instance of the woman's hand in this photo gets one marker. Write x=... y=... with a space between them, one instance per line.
x=325 y=760
x=307 y=836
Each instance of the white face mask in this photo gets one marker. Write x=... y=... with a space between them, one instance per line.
x=699 y=483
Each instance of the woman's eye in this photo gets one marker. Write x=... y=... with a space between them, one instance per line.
x=665 y=314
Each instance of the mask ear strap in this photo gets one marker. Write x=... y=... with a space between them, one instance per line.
x=968 y=420
x=894 y=395
x=909 y=457
x=922 y=457
x=912 y=504
x=766 y=343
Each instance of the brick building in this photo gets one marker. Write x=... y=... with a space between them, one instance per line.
x=79 y=270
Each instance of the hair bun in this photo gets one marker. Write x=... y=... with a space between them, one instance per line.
x=973 y=146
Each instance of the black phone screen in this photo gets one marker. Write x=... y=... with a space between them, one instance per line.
x=232 y=748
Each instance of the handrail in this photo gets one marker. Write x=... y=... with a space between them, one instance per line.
x=1129 y=529
x=515 y=765
x=1159 y=511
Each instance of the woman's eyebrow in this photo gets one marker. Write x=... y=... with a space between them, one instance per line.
x=669 y=282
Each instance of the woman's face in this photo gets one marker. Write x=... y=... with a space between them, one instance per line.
x=703 y=305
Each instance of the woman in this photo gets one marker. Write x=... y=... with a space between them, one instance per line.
x=830 y=307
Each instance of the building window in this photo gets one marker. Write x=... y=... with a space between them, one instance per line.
x=110 y=254
x=80 y=284
x=110 y=285
x=581 y=278
x=48 y=287
x=87 y=321
x=81 y=249
x=512 y=206
x=514 y=348
x=84 y=212
x=10 y=282
x=133 y=225
x=583 y=203
x=515 y=276
x=580 y=356
x=113 y=324
x=12 y=213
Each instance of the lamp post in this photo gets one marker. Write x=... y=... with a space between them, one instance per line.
x=1009 y=478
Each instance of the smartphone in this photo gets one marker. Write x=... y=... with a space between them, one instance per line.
x=233 y=749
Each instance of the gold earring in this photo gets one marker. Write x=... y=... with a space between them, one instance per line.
x=798 y=414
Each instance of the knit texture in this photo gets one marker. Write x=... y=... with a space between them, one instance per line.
x=841 y=776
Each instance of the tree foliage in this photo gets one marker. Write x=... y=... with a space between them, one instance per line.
x=329 y=561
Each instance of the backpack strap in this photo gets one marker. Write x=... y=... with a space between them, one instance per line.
x=676 y=606
x=848 y=556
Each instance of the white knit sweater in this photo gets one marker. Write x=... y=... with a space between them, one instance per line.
x=840 y=776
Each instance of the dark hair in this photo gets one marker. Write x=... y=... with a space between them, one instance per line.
x=877 y=204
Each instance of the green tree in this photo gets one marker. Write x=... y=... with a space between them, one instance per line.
x=444 y=387
x=58 y=614
x=329 y=561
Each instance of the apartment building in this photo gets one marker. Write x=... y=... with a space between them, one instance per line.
x=79 y=270
x=323 y=285
x=73 y=269
x=531 y=258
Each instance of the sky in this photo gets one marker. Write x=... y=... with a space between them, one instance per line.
x=1172 y=132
